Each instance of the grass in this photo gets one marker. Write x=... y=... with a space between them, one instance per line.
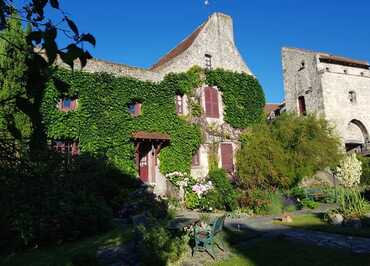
x=285 y=253
x=316 y=223
x=63 y=254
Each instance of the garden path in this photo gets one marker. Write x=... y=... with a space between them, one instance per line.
x=266 y=228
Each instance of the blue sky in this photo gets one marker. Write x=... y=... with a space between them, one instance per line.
x=138 y=33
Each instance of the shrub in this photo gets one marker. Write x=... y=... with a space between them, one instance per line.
x=283 y=152
x=85 y=259
x=351 y=203
x=262 y=202
x=227 y=195
x=309 y=203
x=159 y=246
x=365 y=177
x=192 y=201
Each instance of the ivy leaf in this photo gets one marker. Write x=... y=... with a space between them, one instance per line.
x=72 y=25
x=88 y=38
x=54 y=4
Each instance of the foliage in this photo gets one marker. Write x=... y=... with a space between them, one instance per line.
x=44 y=32
x=196 y=108
x=43 y=203
x=13 y=80
x=224 y=188
x=103 y=124
x=242 y=96
x=262 y=202
x=349 y=172
x=309 y=203
x=192 y=200
x=159 y=246
x=352 y=203
x=365 y=176
x=282 y=153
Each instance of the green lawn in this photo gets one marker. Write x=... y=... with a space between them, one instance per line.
x=285 y=253
x=316 y=222
x=62 y=255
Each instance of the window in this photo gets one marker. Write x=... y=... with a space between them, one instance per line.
x=134 y=109
x=67 y=104
x=301 y=105
x=66 y=147
x=179 y=104
x=211 y=101
x=352 y=96
x=196 y=159
x=208 y=62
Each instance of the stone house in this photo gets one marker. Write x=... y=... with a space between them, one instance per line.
x=334 y=87
x=210 y=46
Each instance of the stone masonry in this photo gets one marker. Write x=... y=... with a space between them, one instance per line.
x=334 y=87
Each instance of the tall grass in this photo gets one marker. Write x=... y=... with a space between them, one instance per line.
x=352 y=203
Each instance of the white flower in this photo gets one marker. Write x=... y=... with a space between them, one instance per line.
x=349 y=172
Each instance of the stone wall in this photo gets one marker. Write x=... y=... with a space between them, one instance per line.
x=301 y=79
x=216 y=38
x=326 y=88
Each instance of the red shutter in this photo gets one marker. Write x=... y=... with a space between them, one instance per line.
x=211 y=100
x=137 y=109
x=208 y=101
x=215 y=110
x=73 y=104
x=227 y=157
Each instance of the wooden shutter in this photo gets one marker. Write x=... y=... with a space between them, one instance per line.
x=227 y=157
x=211 y=102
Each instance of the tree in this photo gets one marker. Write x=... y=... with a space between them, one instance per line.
x=282 y=153
x=44 y=32
x=13 y=81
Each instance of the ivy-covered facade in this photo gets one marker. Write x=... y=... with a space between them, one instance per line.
x=154 y=122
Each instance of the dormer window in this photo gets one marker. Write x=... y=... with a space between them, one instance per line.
x=67 y=104
x=179 y=104
x=134 y=109
x=352 y=96
x=208 y=61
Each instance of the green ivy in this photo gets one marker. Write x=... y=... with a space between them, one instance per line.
x=243 y=96
x=103 y=124
x=104 y=127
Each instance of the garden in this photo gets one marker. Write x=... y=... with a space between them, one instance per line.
x=92 y=210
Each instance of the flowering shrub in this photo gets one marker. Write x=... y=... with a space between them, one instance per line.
x=201 y=189
x=349 y=172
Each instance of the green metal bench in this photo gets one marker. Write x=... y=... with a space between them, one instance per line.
x=205 y=238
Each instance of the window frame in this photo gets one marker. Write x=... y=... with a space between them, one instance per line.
x=135 y=111
x=179 y=104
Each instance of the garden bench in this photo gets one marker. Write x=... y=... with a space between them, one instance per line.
x=205 y=238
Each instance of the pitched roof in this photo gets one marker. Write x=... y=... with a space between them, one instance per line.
x=269 y=107
x=151 y=135
x=179 y=49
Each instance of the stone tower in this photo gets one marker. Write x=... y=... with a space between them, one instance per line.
x=334 y=87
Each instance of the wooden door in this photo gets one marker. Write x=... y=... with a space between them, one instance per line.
x=227 y=157
x=144 y=168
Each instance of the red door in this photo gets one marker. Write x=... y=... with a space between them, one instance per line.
x=144 y=168
x=227 y=157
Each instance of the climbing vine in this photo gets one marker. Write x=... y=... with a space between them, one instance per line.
x=104 y=127
x=243 y=96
